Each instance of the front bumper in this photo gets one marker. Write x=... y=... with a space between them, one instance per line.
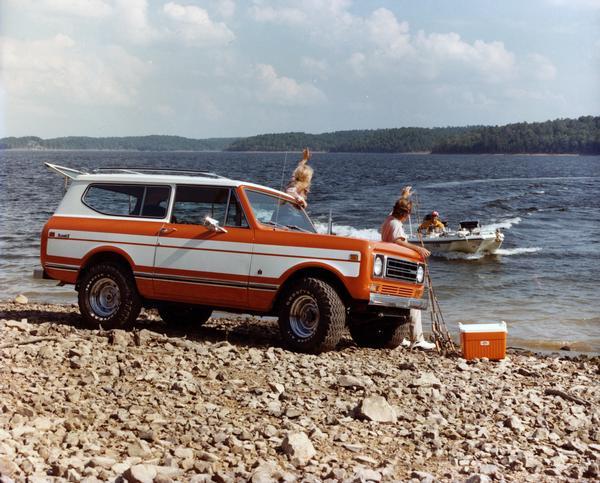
x=380 y=300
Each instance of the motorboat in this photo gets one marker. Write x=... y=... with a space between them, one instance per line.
x=469 y=238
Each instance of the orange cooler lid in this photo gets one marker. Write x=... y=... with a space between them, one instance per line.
x=474 y=328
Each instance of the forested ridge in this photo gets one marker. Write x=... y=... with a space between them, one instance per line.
x=560 y=136
x=136 y=143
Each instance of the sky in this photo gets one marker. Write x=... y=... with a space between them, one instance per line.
x=228 y=68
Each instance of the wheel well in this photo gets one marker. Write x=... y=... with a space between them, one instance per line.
x=313 y=272
x=103 y=257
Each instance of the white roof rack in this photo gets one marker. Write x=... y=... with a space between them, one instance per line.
x=72 y=173
x=66 y=172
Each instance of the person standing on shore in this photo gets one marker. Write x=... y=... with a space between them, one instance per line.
x=392 y=231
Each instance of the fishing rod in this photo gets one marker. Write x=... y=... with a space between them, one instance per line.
x=441 y=336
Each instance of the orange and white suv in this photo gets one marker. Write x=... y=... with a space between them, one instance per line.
x=190 y=242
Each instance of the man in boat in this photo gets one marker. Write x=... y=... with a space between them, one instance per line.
x=432 y=223
x=392 y=231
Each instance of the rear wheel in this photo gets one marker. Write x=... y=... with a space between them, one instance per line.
x=184 y=314
x=381 y=333
x=312 y=317
x=108 y=296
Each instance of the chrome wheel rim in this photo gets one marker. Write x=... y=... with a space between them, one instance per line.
x=105 y=297
x=304 y=316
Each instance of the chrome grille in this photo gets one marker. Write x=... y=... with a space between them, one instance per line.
x=401 y=269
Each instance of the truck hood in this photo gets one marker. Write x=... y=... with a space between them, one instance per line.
x=394 y=250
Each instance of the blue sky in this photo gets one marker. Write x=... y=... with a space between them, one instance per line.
x=221 y=68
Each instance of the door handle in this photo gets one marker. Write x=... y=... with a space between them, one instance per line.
x=165 y=230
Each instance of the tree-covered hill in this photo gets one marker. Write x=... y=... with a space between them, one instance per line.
x=561 y=136
x=137 y=143
x=399 y=140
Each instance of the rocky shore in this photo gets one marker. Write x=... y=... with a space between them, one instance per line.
x=225 y=402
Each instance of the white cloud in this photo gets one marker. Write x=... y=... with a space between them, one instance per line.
x=195 y=26
x=225 y=8
x=539 y=67
x=133 y=23
x=357 y=63
x=79 y=8
x=315 y=67
x=55 y=70
x=277 y=89
x=284 y=15
x=490 y=59
x=390 y=36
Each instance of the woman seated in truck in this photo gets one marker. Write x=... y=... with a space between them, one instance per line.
x=392 y=231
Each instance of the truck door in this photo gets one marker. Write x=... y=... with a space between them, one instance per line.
x=196 y=264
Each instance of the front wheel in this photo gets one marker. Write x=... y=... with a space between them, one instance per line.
x=184 y=314
x=381 y=333
x=312 y=317
x=108 y=296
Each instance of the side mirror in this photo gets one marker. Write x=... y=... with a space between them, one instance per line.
x=213 y=225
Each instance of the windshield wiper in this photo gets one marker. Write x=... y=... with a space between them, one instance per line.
x=274 y=223
x=296 y=227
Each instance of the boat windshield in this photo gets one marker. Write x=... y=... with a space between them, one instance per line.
x=275 y=211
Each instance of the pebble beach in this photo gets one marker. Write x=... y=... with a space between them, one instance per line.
x=226 y=402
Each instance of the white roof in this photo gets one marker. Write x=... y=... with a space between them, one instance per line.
x=156 y=176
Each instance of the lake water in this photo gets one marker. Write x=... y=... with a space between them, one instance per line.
x=544 y=281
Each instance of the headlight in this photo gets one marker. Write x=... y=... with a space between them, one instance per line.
x=420 y=274
x=378 y=266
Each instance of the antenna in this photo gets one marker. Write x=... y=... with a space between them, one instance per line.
x=281 y=187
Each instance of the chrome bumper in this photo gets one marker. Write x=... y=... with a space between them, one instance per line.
x=380 y=300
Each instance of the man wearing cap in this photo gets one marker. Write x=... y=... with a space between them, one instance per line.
x=432 y=223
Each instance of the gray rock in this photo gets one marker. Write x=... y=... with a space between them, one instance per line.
x=119 y=337
x=298 y=447
x=140 y=474
x=367 y=474
x=514 y=423
x=423 y=476
x=350 y=381
x=376 y=408
x=478 y=479
x=427 y=379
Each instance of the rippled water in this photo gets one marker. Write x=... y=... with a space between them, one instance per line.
x=544 y=281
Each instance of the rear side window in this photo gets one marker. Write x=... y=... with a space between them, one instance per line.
x=128 y=200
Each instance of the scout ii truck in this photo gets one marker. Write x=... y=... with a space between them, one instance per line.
x=187 y=243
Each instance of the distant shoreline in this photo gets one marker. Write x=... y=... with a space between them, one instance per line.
x=413 y=153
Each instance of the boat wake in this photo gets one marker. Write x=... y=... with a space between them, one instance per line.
x=505 y=252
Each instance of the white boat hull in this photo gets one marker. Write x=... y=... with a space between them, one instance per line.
x=481 y=243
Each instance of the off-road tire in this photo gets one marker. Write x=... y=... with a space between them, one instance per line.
x=108 y=296
x=330 y=322
x=381 y=333
x=184 y=315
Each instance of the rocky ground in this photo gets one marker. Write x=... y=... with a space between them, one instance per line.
x=226 y=403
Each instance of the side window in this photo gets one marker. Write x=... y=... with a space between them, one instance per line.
x=194 y=203
x=235 y=213
x=114 y=199
x=156 y=201
x=128 y=200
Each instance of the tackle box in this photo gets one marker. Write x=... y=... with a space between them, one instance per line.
x=483 y=340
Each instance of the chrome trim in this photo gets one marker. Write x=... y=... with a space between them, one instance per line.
x=380 y=300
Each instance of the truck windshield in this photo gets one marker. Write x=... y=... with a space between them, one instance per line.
x=272 y=210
